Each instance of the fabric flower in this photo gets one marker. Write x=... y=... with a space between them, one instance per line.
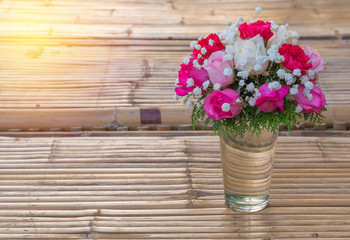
x=282 y=36
x=294 y=58
x=315 y=104
x=206 y=46
x=272 y=97
x=219 y=70
x=316 y=60
x=246 y=53
x=220 y=104
x=259 y=27
x=190 y=78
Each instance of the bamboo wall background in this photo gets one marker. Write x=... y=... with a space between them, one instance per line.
x=97 y=63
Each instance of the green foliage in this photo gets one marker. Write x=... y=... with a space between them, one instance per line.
x=315 y=117
x=252 y=120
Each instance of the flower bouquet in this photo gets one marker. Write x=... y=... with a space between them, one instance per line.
x=247 y=81
x=251 y=76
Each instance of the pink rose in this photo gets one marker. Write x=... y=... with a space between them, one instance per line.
x=190 y=78
x=222 y=104
x=317 y=102
x=259 y=27
x=316 y=60
x=271 y=98
x=217 y=68
x=294 y=58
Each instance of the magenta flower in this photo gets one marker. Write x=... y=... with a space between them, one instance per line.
x=314 y=103
x=272 y=97
x=222 y=104
x=219 y=70
x=190 y=78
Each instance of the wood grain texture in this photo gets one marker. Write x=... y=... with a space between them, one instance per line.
x=165 y=187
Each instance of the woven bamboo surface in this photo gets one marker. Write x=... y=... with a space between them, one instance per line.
x=95 y=63
x=136 y=186
x=165 y=19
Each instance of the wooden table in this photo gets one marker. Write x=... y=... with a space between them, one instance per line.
x=165 y=186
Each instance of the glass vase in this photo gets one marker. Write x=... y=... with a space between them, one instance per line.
x=247 y=165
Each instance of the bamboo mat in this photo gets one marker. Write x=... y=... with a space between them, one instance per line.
x=98 y=63
x=165 y=187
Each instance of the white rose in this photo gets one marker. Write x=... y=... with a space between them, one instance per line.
x=283 y=35
x=246 y=53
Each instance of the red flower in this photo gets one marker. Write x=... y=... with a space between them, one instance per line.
x=211 y=43
x=314 y=81
x=253 y=29
x=294 y=58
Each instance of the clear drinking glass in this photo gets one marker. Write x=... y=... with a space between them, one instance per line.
x=247 y=165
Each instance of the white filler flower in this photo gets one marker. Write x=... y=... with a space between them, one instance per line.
x=258 y=9
x=225 y=107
